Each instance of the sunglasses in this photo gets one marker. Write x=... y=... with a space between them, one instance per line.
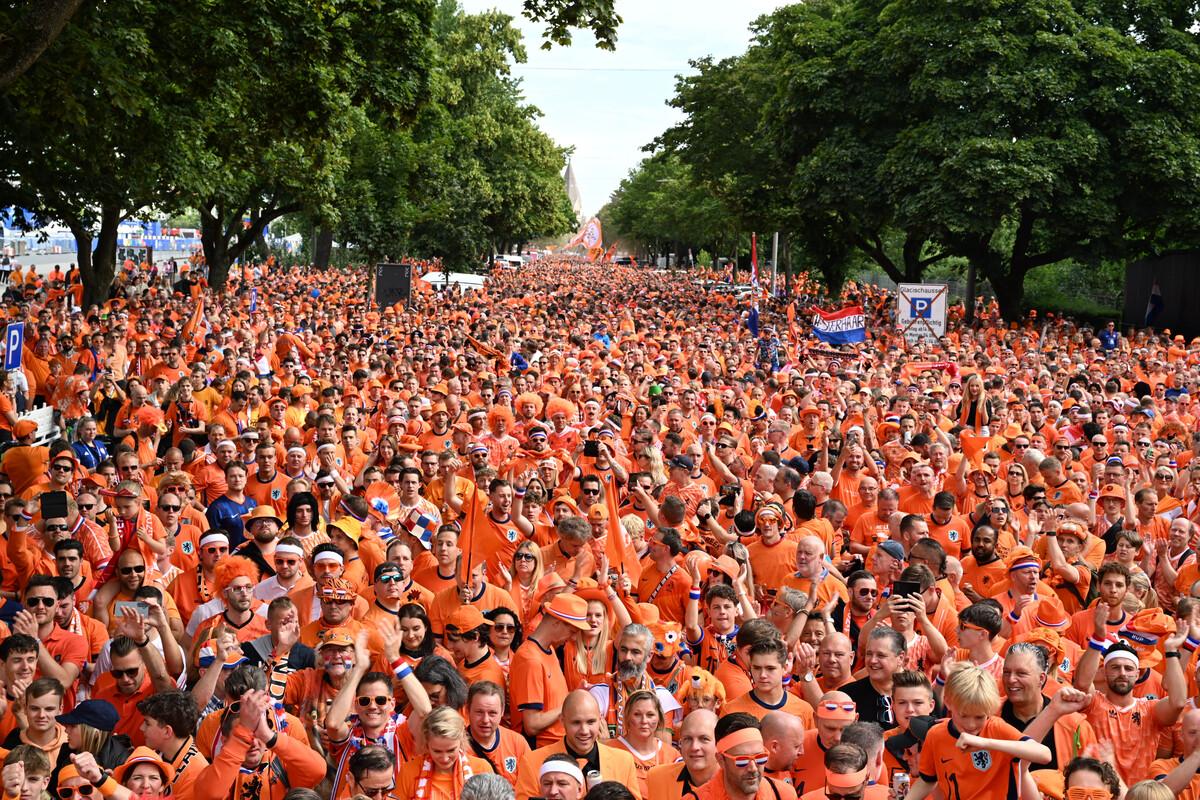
x=1164 y=477
x=137 y=569
x=741 y=762
x=82 y=506
x=523 y=556
x=382 y=791
x=170 y=509
x=288 y=562
x=595 y=492
x=380 y=700
x=50 y=528
x=132 y=672
x=214 y=551
x=81 y=791
x=34 y=602
x=504 y=626
x=867 y=592
x=61 y=467
x=391 y=577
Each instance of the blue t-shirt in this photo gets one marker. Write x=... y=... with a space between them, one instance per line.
x=226 y=515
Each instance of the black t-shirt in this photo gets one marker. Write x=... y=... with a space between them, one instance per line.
x=1010 y=716
x=872 y=706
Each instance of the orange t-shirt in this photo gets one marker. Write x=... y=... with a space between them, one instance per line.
x=537 y=684
x=969 y=774
x=1133 y=730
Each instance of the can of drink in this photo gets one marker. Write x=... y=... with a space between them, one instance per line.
x=592 y=777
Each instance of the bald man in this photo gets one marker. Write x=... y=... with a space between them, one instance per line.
x=830 y=669
x=783 y=739
x=698 y=747
x=581 y=721
x=812 y=576
x=832 y=713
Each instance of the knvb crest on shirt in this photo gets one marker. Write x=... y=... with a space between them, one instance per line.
x=510 y=765
x=982 y=759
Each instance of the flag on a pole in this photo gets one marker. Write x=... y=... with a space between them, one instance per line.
x=622 y=556
x=752 y=320
x=1154 y=305
x=844 y=326
x=754 y=261
x=474 y=517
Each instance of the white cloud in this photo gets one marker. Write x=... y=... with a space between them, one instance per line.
x=608 y=105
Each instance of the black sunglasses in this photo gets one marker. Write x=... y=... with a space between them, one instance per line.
x=137 y=569
x=66 y=792
x=34 y=602
x=132 y=672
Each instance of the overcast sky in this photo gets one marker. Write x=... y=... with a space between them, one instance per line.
x=609 y=104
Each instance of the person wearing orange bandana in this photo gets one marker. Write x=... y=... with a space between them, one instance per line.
x=742 y=757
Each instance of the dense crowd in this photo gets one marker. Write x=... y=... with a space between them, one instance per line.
x=582 y=533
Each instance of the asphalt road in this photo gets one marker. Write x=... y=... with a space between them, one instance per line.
x=47 y=261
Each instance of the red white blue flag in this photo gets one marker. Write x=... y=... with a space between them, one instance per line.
x=844 y=326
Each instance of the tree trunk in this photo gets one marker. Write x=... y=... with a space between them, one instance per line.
x=216 y=246
x=38 y=28
x=1010 y=292
x=97 y=269
x=322 y=247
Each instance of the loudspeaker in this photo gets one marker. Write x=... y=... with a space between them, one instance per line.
x=393 y=284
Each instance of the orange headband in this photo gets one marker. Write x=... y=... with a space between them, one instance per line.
x=847 y=780
x=842 y=712
x=744 y=736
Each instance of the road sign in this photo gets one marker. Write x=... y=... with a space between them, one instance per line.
x=14 y=343
x=921 y=311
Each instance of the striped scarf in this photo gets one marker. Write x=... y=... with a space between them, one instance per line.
x=425 y=782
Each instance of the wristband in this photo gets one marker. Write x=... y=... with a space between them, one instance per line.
x=403 y=672
x=694 y=594
x=108 y=786
x=1093 y=495
x=1191 y=644
x=1051 y=533
x=519 y=492
x=273 y=740
x=1172 y=654
x=787 y=679
x=143 y=643
x=1013 y=617
x=1096 y=644
x=939 y=681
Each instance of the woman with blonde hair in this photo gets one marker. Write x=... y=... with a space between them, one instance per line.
x=975 y=409
x=524 y=579
x=649 y=460
x=446 y=765
x=644 y=721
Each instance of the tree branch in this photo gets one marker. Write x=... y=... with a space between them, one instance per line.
x=40 y=26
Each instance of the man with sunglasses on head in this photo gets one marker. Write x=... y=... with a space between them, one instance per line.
x=363 y=711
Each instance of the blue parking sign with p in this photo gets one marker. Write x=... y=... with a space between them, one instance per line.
x=14 y=343
x=920 y=308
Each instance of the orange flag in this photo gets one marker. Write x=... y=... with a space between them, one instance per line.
x=473 y=519
x=617 y=545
